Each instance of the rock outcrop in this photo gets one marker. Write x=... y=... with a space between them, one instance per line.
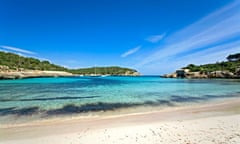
x=221 y=74
x=185 y=73
x=129 y=73
x=4 y=68
x=172 y=75
x=196 y=75
x=10 y=74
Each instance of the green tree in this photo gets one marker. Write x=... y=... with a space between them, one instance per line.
x=234 y=57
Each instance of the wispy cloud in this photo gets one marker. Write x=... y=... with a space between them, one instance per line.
x=130 y=52
x=17 y=50
x=155 y=38
x=212 y=54
x=219 y=27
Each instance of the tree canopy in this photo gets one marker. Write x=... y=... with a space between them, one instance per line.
x=111 y=70
x=231 y=65
x=14 y=61
x=234 y=57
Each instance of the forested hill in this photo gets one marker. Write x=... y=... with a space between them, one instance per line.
x=19 y=63
x=232 y=65
x=112 y=70
x=225 y=69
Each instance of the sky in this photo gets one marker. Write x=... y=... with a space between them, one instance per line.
x=153 y=36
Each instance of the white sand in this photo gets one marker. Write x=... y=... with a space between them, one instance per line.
x=215 y=124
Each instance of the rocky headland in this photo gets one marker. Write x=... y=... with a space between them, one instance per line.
x=186 y=73
x=225 y=69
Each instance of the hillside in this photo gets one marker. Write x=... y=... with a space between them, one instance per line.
x=15 y=63
x=112 y=70
x=230 y=66
x=225 y=69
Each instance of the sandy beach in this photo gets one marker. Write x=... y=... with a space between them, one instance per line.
x=120 y=72
x=213 y=123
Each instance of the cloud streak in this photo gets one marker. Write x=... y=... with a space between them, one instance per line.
x=216 y=53
x=18 y=50
x=155 y=38
x=130 y=52
x=217 y=28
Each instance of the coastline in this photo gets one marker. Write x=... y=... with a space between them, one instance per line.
x=11 y=75
x=41 y=118
x=127 y=128
x=33 y=74
x=188 y=74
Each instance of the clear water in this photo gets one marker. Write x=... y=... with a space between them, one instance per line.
x=54 y=96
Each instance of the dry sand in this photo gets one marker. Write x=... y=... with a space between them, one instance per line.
x=217 y=123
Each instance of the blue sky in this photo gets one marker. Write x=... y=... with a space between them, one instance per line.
x=152 y=36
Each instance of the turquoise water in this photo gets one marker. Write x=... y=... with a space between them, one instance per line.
x=56 y=96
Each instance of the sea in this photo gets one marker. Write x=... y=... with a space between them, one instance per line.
x=31 y=99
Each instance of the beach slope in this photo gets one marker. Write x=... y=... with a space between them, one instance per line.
x=209 y=123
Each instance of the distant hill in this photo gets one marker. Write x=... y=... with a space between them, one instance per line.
x=112 y=70
x=16 y=62
x=19 y=63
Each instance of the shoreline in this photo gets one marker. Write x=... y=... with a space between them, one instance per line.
x=26 y=74
x=54 y=129
x=11 y=75
x=215 y=105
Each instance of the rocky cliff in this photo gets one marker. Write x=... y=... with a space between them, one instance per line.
x=224 y=69
x=185 y=73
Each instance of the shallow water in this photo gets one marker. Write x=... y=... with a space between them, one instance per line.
x=62 y=96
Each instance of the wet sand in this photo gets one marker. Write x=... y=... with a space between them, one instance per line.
x=217 y=122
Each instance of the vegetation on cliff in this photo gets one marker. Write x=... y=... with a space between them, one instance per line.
x=227 y=69
x=231 y=65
